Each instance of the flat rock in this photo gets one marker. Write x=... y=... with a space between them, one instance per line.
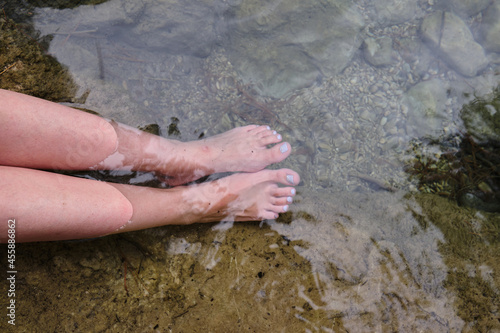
x=490 y=28
x=378 y=51
x=464 y=8
x=173 y=27
x=176 y=26
x=390 y=12
x=426 y=108
x=451 y=38
x=289 y=44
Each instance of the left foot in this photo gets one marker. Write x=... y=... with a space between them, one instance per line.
x=245 y=149
x=240 y=149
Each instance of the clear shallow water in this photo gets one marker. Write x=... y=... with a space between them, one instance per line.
x=353 y=255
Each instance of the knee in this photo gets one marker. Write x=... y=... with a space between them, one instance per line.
x=119 y=211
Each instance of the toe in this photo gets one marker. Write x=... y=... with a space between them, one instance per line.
x=288 y=177
x=249 y=128
x=284 y=192
x=270 y=138
x=268 y=132
x=260 y=129
x=282 y=176
x=279 y=152
x=269 y=215
x=282 y=201
x=277 y=209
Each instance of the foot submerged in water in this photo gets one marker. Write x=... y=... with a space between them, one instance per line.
x=242 y=149
x=243 y=196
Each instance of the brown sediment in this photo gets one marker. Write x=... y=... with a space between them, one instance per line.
x=26 y=68
x=470 y=250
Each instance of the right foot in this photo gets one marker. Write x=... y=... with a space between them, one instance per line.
x=242 y=196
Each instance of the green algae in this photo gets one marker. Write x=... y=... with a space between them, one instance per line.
x=151 y=129
x=470 y=249
x=288 y=217
x=25 y=66
x=61 y=4
x=467 y=167
x=482 y=117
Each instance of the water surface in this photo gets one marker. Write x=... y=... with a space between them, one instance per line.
x=371 y=97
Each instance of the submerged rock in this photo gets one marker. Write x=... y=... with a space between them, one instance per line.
x=378 y=51
x=173 y=27
x=178 y=27
x=426 y=108
x=490 y=28
x=288 y=44
x=482 y=117
x=465 y=8
x=451 y=38
x=391 y=12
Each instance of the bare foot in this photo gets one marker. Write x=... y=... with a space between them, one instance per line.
x=240 y=149
x=242 y=196
x=245 y=149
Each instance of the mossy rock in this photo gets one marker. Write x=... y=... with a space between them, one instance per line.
x=61 y=4
x=26 y=68
x=482 y=117
x=470 y=249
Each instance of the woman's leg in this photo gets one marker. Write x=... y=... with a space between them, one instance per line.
x=48 y=206
x=240 y=149
x=35 y=133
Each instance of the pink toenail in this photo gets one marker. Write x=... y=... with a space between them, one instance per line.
x=285 y=208
x=289 y=199
x=284 y=149
x=289 y=178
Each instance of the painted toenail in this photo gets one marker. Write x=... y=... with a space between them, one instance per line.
x=274 y=132
x=289 y=178
x=289 y=199
x=285 y=208
x=293 y=191
x=268 y=127
x=279 y=137
x=284 y=149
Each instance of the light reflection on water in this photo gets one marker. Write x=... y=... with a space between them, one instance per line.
x=375 y=259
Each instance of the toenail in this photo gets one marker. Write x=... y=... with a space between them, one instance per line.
x=268 y=127
x=285 y=208
x=279 y=137
x=289 y=178
x=293 y=191
x=274 y=132
x=284 y=149
x=289 y=199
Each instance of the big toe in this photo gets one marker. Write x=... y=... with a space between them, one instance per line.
x=288 y=177
x=279 y=152
x=282 y=176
